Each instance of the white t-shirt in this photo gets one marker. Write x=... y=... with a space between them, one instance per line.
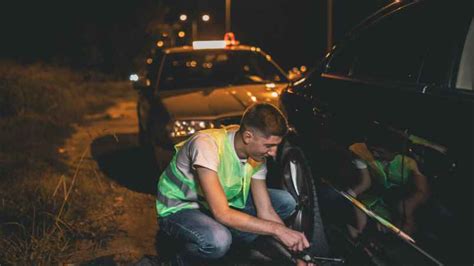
x=201 y=150
x=359 y=163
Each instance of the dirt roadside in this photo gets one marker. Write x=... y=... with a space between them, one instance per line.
x=105 y=151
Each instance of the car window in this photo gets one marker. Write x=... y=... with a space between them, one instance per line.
x=341 y=61
x=153 y=67
x=264 y=64
x=211 y=68
x=394 y=47
x=464 y=78
x=437 y=63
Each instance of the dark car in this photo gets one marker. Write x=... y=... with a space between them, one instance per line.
x=206 y=85
x=404 y=71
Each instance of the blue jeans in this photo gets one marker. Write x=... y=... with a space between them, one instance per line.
x=202 y=237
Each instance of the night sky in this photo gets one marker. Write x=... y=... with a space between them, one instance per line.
x=114 y=36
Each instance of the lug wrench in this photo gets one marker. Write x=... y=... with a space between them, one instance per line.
x=304 y=255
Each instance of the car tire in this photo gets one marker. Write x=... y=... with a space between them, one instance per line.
x=298 y=180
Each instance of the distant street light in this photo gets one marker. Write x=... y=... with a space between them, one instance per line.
x=227 y=15
x=205 y=17
x=134 y=77
x=159 y=43
x=183 y=17
x=330 y=26
x=181 y=34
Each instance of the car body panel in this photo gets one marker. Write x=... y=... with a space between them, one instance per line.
x=331 y=110
x=214 y=103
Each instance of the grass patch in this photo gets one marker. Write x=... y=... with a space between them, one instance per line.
x=38 y=106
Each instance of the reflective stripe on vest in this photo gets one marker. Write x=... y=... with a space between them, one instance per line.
x=177 y=192
x=187 y=191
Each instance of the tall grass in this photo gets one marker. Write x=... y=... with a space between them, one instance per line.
x=38 y=106
x=32 y=233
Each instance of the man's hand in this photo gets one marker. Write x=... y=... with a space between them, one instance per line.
x=293 y=240
x=300 y=262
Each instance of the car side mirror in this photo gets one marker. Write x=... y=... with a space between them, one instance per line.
x=140 y=83
x=142 y=88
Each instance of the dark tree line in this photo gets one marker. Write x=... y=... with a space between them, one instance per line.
x=107 y=36
x=115 y=37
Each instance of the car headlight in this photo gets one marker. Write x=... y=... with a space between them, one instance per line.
x=184 y=128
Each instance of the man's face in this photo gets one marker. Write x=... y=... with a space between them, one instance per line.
x=259 y=146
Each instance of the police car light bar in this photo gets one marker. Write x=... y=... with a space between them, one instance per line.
x=209 y=44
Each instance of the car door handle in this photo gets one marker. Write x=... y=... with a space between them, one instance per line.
x=431 y=89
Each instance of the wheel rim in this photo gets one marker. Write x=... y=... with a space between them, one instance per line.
x=296 y=181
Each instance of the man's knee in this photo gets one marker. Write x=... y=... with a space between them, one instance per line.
x=283 y=202
x=216 y=245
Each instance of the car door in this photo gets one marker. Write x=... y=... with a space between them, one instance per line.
x=449 y=87
x=398 y=72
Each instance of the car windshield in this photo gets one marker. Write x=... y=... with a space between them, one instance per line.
x=213 y=68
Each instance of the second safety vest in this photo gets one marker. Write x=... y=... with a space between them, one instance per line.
x=395 y=173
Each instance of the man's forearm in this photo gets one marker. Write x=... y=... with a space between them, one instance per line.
x=270 y=215
x=293 y=240
x=247 y=223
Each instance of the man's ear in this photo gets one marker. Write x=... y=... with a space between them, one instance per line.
x=247 y=136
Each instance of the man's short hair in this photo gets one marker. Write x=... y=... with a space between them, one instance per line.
x=265 y=118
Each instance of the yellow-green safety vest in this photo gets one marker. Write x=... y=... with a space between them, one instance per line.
x=396 y=173
x=177 y=192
